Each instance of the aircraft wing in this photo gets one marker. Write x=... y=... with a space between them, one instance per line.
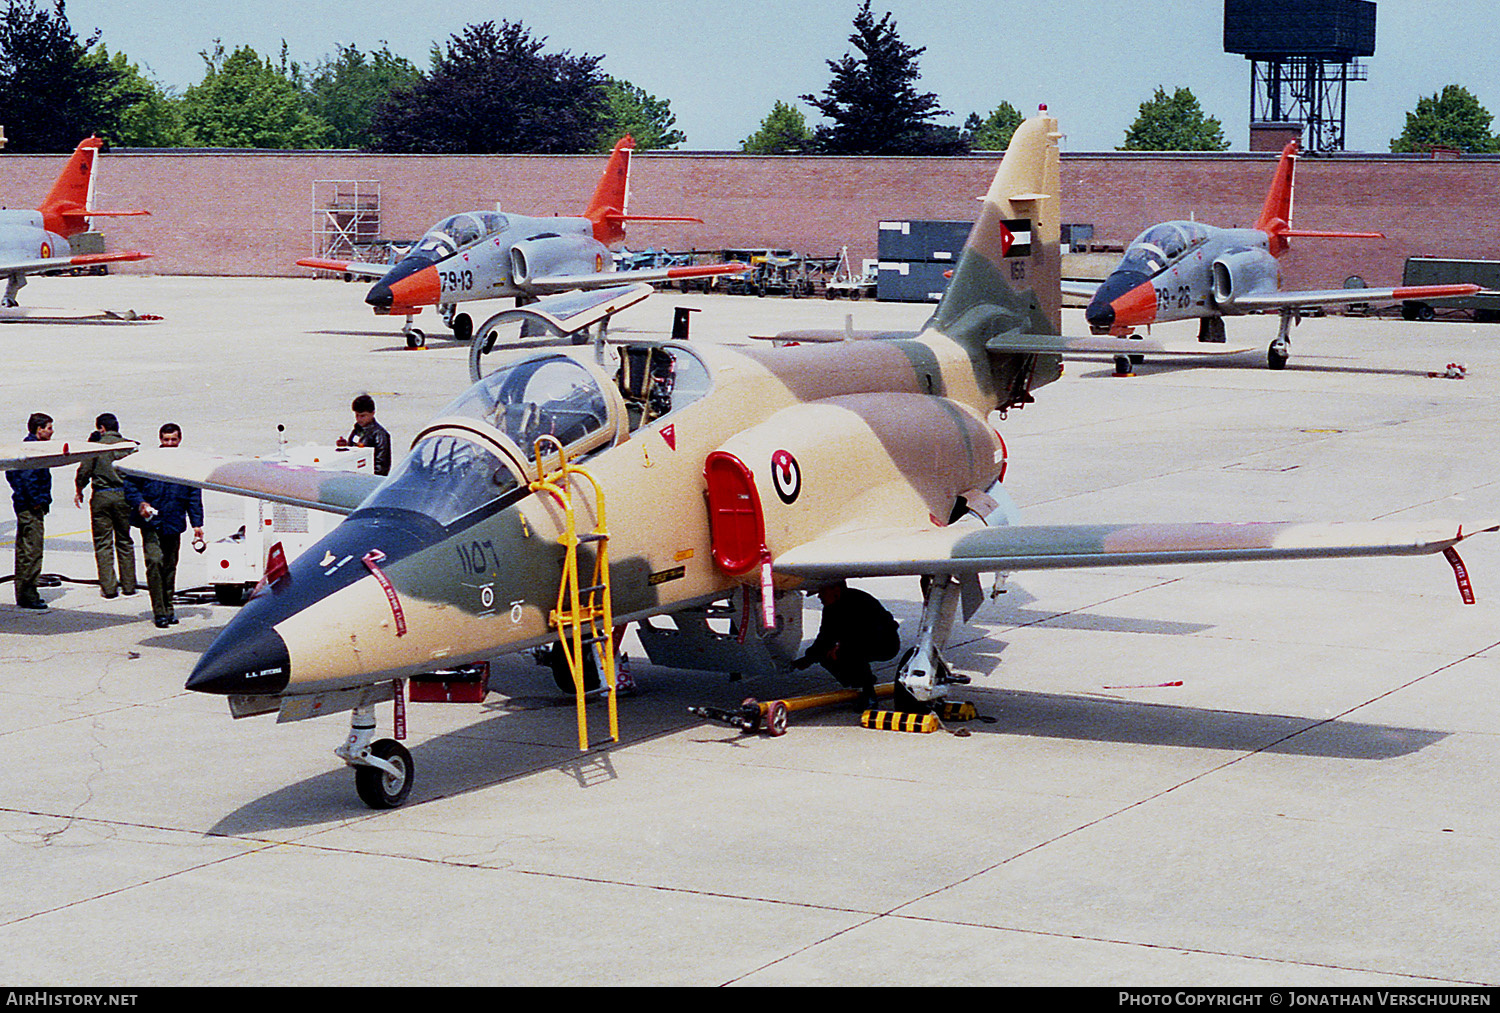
x=1081 y=289
x=346 y=267
x=338 y=492
x=563 y=282
x=1342 y=296
x=54 y=454
x=819 y=336
x=1103 y=344
x=65 y=263
x=965 y=549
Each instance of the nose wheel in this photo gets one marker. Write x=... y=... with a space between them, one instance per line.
x=383 y=770
x=386 y=786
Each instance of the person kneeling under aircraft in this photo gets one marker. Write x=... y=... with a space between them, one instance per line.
x=855 y=631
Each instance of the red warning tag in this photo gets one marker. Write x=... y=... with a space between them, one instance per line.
x=1461 y=573
x=371 y=561
x=399 y=724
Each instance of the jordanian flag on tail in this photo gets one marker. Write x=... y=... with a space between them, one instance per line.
x=1015 y=237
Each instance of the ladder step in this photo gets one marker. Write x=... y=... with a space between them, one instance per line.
x=594 y=537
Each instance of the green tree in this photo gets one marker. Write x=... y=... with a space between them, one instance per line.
x=246 y=101
x=53 y=91
x=149 y=115
x=1452 y=118
x=631 y=110
x=1174 y=122
x=493 y=89
x=783 y=132
x=873 y=99
x=993 y=133
x=345 y=89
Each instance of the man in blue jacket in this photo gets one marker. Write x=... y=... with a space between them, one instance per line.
x=164 y=510
x=31 y=495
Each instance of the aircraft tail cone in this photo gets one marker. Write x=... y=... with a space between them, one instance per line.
x=257 y=662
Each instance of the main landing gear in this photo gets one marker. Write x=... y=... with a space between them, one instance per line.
x=1281 y=348
x=923 y=678
x=383 y=769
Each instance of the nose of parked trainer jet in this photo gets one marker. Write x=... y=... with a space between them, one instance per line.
x=411 y=283
x=255 y=661
x=1114 y=302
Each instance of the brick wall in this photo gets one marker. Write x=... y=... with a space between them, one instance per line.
x=252 y=213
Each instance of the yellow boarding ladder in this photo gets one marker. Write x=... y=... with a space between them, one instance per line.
x=583 y=618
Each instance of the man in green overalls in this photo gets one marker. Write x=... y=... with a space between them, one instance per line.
x=108 y=511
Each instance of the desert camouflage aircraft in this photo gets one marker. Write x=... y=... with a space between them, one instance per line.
x=561 y=497
x=490 y=255
x=32 y=242
x=1187 y=270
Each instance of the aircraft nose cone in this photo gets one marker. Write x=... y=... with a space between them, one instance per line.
x=1104 y=310
x=380 y=296
x=256 y=661
x=411 y=283
x=1100 y=315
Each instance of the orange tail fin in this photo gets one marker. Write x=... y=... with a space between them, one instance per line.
x=69 y=196
x=607 y=209
x=1276 y=217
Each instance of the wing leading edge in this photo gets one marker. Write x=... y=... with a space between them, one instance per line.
x=962 y=549
x=338 y=492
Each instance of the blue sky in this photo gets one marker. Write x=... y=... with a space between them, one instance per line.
x=722 y=65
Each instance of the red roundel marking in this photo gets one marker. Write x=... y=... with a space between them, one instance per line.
x=46 y=250
x=786 y=476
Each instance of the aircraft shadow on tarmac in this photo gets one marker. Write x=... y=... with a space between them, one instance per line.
x=1249 y=361
x=59 y=620
x=532 y=733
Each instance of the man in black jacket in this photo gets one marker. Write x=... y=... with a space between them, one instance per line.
x=855 y=631
x=31 y=495
x=164 y=510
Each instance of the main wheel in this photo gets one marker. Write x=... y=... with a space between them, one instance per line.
x=1276 y=357
x=463 y=327
x=378 y=789
x=557 y=661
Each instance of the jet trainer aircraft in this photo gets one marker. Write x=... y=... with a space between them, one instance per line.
x=736 y=475
x=490 y=255
x=32 y=242
x=1186 y=270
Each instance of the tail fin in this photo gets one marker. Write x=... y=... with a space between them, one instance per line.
x=70 y=202
x=73 y=191
x=1276 y=217
x=1008 y=278
x=607 y=209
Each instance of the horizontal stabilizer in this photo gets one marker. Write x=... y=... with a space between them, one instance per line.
x=338 y=492
x=964 y=549
x=1318 y=234
x=621 y=219
x=1105 y=345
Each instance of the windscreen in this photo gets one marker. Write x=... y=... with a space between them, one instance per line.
x=444 y=478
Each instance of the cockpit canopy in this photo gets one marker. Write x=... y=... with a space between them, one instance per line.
x=1155 y=249
x=549 y=395
x=457 y=231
